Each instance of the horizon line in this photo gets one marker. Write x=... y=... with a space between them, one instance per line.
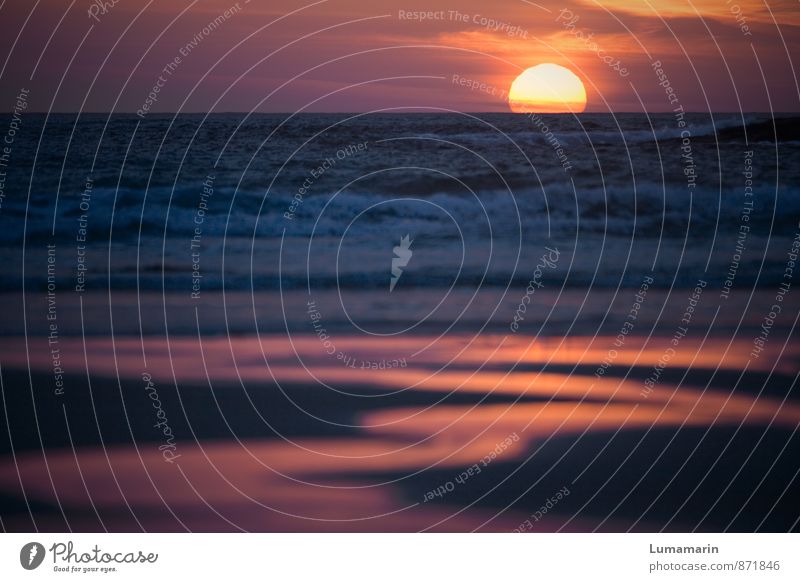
x=394 y=112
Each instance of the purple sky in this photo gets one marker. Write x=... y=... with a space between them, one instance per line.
x=346 y=55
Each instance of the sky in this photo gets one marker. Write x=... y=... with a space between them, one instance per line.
x=357 y=55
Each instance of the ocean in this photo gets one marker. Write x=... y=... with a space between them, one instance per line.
x=262 y=203
x=338 y=315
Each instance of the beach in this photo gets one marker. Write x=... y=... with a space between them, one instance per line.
x=466 y=432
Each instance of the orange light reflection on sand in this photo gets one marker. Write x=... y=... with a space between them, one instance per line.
x=224 y=357
x=402 y=439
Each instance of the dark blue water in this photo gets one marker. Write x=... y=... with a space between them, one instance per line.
x=321 y=200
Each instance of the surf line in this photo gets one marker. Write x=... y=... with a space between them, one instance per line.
x=549 y=260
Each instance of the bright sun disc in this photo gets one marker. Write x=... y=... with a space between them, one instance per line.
x=547 y=88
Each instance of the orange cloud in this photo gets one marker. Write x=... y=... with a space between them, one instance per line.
x=741 y=11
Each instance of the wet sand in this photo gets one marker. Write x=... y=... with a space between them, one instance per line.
x=711 y=447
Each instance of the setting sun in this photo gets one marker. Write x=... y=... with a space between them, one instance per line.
x=547 y=88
